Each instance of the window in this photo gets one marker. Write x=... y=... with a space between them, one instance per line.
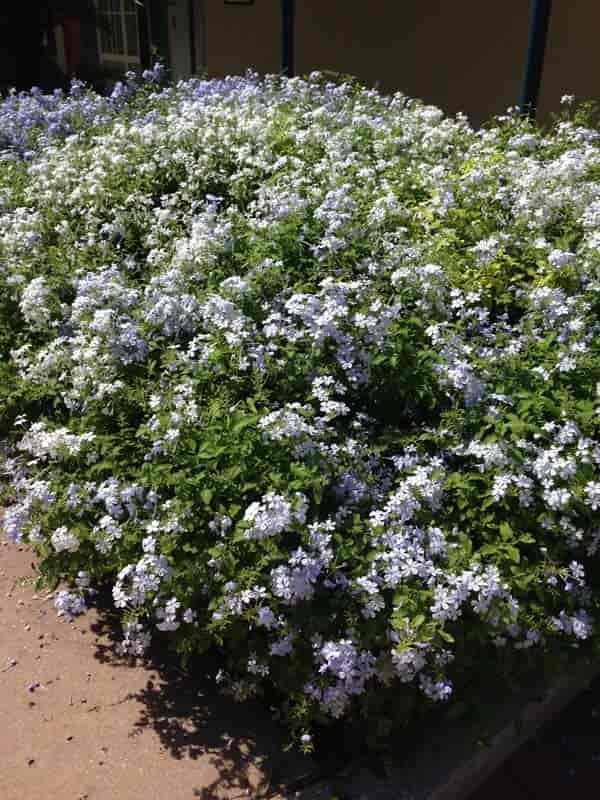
x=118 y=35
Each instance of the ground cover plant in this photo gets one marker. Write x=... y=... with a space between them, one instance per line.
x=308 y=375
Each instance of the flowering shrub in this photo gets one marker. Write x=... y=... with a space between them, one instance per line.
x=308 y=374
x=29 y=120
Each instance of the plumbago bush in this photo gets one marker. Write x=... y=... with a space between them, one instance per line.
x=308 y=375
x=28 y=120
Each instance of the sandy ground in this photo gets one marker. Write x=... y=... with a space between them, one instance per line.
x=77 y=723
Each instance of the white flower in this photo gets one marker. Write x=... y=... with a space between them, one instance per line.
x=69 y=604
x=592 y=494
x=557 y=498
x=64 y=540
x=273 y=515
x=33 y=305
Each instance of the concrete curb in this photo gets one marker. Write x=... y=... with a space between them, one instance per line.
x=449 y=762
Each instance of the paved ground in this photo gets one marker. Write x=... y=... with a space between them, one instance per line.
x=77 y=724
x=562 y=761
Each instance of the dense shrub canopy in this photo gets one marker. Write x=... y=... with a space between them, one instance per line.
x=307 y=373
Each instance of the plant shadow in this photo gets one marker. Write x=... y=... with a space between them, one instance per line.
x=242 y=743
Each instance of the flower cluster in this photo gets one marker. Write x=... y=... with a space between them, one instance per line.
x=306 y=372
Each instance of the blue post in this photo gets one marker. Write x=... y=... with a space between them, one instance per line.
x=287 y=37
x=538 y=35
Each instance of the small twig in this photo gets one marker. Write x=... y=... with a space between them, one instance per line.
x=127 y=697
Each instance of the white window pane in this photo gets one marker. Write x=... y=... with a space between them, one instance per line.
x=105 y=37
x=132 y=34
x=111 y=34
x=118 y=34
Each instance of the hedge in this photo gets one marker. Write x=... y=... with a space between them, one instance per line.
x=308 y=375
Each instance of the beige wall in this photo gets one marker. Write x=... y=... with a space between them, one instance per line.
x=572 y=63
x=238 y=37
x=465 y=55
x=462 y=55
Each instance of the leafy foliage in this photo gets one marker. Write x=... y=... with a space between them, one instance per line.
x=308 y=374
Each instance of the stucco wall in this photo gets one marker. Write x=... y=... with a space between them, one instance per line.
x=572 y=63
x=180 y=51
x=239 y=37
x=463 y=56
x=466 y=56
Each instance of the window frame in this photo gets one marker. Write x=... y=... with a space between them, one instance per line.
x=119 y=59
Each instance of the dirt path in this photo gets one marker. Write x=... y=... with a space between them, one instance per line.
x=78 y=724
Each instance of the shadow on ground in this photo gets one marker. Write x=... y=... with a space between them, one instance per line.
x=192 y=719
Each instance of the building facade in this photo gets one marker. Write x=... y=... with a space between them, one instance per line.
x=463 y=56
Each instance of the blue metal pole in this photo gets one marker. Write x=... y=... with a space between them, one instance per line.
x=287 y=37
x=538 y=35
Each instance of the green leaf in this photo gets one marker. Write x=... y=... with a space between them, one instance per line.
x=513 y=553
x=506 y=532
x=244 y=423
x=208 y=453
